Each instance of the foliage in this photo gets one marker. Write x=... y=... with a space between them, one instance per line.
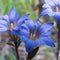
x=9 y=55
x=23 y=6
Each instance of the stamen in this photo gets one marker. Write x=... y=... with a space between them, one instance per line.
x=57 y=9
x=12 y=25
x=34 y=35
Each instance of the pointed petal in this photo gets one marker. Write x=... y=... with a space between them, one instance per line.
x=24 y=32
x=46 y=12
x=39 y=41
x=45 y=40
x=46 y=27
x=46 y=6
x=12 y=14
x=37 y=23
x=17 y=16
x=15 y=30
x=24 y=38
x=56 y=2
x=6 y=18
x=3 y=28
x=22 y=19
x=30 y=44
x=30 y=24
x=48 y=33
x=3 y=22
x=46 y=1
x=57 y=16
x=51 y=3
x=24 y=26
x=59 y=3
x=49 y=42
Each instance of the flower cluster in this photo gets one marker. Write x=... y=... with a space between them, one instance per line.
x=52 y=8
x=33 y=34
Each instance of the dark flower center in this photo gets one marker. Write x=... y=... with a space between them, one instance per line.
x=35 y=35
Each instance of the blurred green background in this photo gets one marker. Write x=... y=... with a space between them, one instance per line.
x=23 y=6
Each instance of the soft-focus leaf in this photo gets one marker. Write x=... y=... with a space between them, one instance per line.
x=18 y=42
x=2 y=56
x=11 y=44
x=33 y=2
x=11 y=56
x=13 y=51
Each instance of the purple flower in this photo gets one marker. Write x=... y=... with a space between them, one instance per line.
x=52 y=8
x=36 y=34
x=12 y=21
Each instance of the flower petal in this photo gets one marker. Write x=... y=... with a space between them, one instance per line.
x=3 y=22
x=23 y=38
x=51 y=3
x=17 y=16
x=15 y=30
x=46 y=6
x=3 y=28
x=56 y=2
x=37 y=23
x=6 y=18
x=30 y=24
x=39 y=41
x=22 y=19
x=49 y=42
x=45 y=40
x=30 y=44
x=47 y=12
x=57 y=16
x=24 y=32
x=12 y=14
x=48 y=33
x=45 y=27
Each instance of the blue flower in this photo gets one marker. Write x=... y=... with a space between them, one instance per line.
x=52 y=8
x=12 y=21
x=39 y=36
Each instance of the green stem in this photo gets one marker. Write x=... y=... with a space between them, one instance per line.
x=28 y=59
x=17 y=55
x=14 y=37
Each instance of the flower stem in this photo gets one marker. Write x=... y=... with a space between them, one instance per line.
x=17 y=55
x=16 y=46
x=58 y=26
x=28 y=59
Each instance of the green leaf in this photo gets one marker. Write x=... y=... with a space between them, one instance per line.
x=13 y=51
x=2 y=56
x=11 y=56
x=11 y=44
x=32 y=53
